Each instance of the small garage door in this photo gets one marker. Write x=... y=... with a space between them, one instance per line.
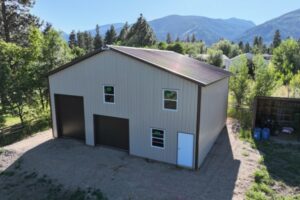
x=112 y=131
x=70 y=116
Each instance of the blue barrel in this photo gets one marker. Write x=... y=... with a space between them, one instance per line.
x=265 y=133
x=257 y=133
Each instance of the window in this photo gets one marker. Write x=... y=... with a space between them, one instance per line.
x=157 y=138
x=109 y=94
x=170 y=99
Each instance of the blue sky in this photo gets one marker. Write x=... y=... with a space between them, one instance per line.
x=67 y=15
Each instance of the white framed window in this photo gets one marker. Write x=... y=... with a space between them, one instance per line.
x=170 y=99
x=158 y=138
x=109 y=94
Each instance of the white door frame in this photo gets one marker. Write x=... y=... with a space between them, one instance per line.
x=193 y=149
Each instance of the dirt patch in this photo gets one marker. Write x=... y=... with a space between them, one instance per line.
x=226 y=173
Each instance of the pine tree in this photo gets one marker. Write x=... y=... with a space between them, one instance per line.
x=276 y=39
x=15 y=20
x=72 y=40
x=141 y=34
x=80 y=40
x=88 y=41
x=188 y=38
x=98 y=39
x=177 y=39
x=169 y=39
x=258 y=45
x=123 y=33
x=47 y=28
x=110 y=35
x=255 y=41
x=260 y=41
x=194 y=38
x=247 y=48
x=241 y=46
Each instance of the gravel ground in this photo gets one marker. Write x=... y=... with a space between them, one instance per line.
x=226 y=173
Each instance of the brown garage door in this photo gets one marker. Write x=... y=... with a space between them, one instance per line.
x=112 y=131
x=70 y=116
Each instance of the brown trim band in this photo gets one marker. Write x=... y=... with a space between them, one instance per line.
x=50 y=101
x=198 y=126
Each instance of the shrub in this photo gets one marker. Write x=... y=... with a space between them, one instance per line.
x=245 y=134
x=262 y=176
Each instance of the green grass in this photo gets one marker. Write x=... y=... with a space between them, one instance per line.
x=11 y=120
x=30 y=129
x=280 y=164
x=282 y=161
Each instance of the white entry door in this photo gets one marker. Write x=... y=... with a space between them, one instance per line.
x=185 y=149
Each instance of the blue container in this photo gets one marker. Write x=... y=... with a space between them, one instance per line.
x=265 y=133
x=257 y=133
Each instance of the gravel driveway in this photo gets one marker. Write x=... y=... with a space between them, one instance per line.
x=226 y=173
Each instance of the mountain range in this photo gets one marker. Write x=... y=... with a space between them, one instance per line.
x=211 y=30
x=288 y=24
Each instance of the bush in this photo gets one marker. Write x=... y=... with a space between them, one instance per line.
x=262 y=177
x=255 y=195
x=245 y=134
x=177 y=47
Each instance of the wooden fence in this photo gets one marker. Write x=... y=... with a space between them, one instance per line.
x=282 y=111
x=11 y=134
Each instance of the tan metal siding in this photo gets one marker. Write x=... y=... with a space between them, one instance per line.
x=138 y=97
x=213 y=115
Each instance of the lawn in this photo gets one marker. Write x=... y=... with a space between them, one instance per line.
x=279 y=173
x=11 y=120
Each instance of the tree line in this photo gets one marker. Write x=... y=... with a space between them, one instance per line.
x=29 y=48
x=282 y=70
x=139 y=34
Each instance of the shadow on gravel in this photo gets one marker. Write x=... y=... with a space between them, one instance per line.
x=68 y=169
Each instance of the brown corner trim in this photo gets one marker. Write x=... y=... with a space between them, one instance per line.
x=50 y=101
x=198 y=126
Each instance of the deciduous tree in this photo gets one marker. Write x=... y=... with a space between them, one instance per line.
x=295 y=85
x=215 y=57
x=264 y=77
x=286 y=59
x=239 y=82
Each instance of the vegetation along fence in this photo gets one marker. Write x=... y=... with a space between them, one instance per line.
x=11 y=134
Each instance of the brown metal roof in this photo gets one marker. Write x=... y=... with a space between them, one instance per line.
x=175 y=63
